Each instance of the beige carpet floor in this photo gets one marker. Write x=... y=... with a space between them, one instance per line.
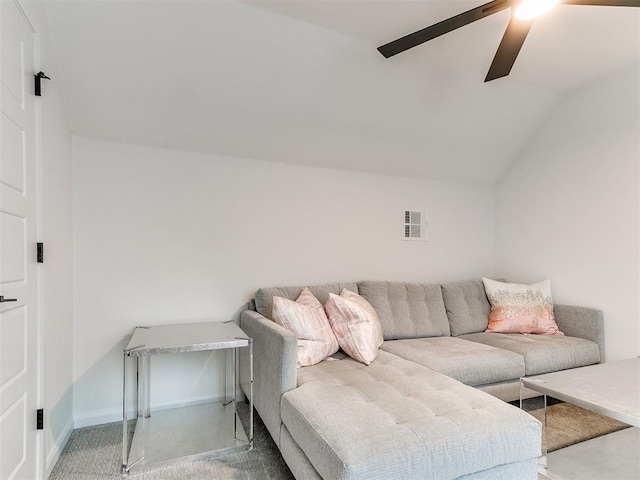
x=95 y=453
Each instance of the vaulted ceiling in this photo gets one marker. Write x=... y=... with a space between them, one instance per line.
x=301 y=81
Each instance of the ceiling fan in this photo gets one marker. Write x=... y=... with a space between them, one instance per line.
x=523 y=14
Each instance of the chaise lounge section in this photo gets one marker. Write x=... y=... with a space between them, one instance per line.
x=431 y=404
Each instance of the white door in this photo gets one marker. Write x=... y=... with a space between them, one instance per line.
x=18 y=323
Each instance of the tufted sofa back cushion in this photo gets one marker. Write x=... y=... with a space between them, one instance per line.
x=264 y=296
x=407 y=310
x=467 y=307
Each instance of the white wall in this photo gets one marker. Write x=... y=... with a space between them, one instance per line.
x=166 y=236
x=55 y=283
x=568 y=209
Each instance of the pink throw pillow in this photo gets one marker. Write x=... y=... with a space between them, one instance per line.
x=306 y=318
x=517 y=308
x=355 y=324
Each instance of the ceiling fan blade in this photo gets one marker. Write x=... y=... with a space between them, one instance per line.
x=509 y=48
x=416 y=38
x=604 y=3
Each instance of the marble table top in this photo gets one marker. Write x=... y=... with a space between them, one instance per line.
x=611 y=389
x=186 y=337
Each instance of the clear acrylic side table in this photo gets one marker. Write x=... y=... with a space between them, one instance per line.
x=186 y=433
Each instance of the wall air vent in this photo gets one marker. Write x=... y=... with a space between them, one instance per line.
x=415 y=226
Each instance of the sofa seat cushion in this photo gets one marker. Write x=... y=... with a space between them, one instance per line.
x=407 y=310
x=395 y=419
x=471 y=363
x=543 y=353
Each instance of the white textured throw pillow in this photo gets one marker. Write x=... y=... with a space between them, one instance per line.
x=520 y=308
x=306 y=318
x=355 y=324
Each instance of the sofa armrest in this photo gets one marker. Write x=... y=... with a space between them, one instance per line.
x=275 y=362
x=581 y=322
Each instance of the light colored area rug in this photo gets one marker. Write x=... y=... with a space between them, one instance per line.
x=568 y=425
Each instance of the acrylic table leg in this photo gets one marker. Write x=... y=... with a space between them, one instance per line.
x=521 y=395
x=143 y=377
x=140 y=386
x=124 y=412
x=147 y=384
x=544 y=436
x=251 y=391
x=227 y=400
x=226 y=376
x=233 y=375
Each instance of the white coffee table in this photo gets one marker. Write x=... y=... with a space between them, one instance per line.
x=609 y=389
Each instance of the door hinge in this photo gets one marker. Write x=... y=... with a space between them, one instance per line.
x=40 y=252
x=40 y=419
x=39 y=76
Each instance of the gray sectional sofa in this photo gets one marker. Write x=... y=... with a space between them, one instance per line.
x=432 y=404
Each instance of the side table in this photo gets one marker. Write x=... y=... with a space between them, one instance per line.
x=186 y=433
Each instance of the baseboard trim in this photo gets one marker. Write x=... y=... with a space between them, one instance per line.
x=100 y=417
x=58 y=447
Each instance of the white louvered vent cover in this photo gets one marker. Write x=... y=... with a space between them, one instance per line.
x=415 y=226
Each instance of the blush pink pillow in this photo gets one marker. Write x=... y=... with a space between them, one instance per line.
x=355 y=324
x=306 y=318
x=517 y=308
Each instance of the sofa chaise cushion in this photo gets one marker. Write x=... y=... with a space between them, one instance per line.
x=396 y=419
x=543 y=353
x=471 y=363
x=407 y=310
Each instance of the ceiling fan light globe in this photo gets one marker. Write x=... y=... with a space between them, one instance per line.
x=530 y=9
